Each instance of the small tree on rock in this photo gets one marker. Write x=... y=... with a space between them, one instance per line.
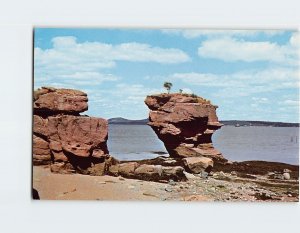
x=168 y=86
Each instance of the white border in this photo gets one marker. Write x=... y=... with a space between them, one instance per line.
x=19 y=214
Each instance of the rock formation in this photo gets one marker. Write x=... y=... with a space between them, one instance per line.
x=139 y=170
x=64 y=138
x=70 y=142
x=185 y=124
x=51 y=101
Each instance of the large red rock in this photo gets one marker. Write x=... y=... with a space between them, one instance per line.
x=48 y=100
x=185 y=124
x=63 y=137
x=78 y=135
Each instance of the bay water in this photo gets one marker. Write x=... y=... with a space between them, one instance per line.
x=277 y=144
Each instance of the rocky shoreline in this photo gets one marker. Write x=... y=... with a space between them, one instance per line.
x=66 y=142
x=219 y=187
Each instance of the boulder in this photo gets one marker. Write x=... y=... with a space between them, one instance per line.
x=48 y=101
x=198 y=164
x=80 y=136
x=159 y=173
x=127 y=169
x=148 y=172
x=185 y=124
x=62 y=168
x=98 y=169
x=173 y=173
x=64 y=138
x=286 y=176
x=85 y=131
x=113 y=170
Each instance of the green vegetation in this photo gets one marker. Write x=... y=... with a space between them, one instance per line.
x=198 y=99
x=168 y=86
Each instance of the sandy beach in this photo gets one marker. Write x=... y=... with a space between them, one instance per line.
x=220 y=187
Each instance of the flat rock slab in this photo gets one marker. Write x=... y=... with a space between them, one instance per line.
x=52 y=100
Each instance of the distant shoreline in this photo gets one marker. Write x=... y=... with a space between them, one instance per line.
x=236 y=123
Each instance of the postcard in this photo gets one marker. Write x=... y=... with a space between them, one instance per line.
x=166 y=115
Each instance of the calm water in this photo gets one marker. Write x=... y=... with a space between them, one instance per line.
x=280 y=144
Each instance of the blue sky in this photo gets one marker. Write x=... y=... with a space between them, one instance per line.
x=249 y=74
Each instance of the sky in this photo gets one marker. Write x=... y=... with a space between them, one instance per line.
x=249 y=74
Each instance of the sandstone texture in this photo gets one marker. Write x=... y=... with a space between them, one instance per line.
x=185 y=123
x=50 y=101
x=71 y=143
x=150 y=172
x=63 y=138
x=198 y=164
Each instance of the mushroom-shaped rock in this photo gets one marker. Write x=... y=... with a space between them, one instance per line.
x=185 y=123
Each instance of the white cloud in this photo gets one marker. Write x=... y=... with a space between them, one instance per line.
x=195 y=33
x=122 y=100
x=101 y=55
x=292 y=103
x=135 y=93
x=232 y=49
x=187 y=91
x=242 y=83
x=260 y=100
x=195 y=78
x=83 y=63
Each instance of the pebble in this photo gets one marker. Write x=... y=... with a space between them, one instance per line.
x=213 y=189
x=204 y=175
x=168 y=189
x=101 y=182
x=189 y=175
x=131 y=187
x=172 y=182
x=286 y=176
x=149 y=194
x=121 y=178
